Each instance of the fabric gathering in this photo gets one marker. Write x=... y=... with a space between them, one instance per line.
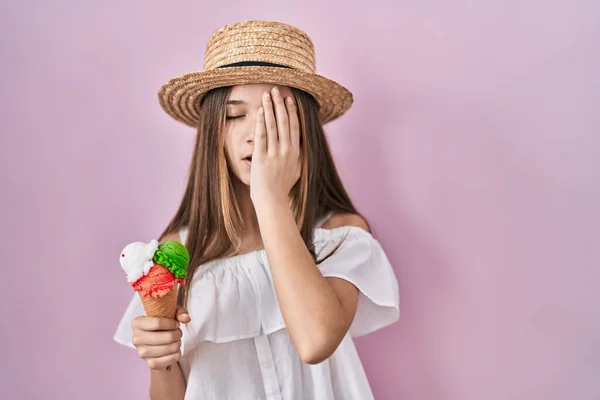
x=237 y=328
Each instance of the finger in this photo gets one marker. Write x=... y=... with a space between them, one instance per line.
x=157 y=338
x=260 y=133
x=294 y=123
x=183 y=315
x=154 y=324
x=283 y=128
x=160 y=350
x=164 y=362
x=272 y=141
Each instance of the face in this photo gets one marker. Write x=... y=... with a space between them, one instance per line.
x=242 y=108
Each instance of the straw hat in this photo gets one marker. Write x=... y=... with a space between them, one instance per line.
x=254 y=52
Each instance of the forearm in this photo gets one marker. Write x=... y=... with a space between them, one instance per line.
x=167 y=385
x=311 y=309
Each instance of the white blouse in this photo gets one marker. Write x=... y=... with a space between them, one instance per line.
x=236 y=346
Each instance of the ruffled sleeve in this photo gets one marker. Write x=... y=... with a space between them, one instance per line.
x=235 y=298
x=124 y=333
x=361 y=261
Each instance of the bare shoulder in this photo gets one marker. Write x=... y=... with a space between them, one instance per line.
x=171 y=236
x=346 y=219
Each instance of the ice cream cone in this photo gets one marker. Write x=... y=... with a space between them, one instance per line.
x=162 y=307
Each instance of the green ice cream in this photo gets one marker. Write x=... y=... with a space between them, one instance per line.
x=173 y=256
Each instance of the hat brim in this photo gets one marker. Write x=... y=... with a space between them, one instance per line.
x=180 y=97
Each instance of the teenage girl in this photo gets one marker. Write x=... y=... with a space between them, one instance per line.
x=283 y=269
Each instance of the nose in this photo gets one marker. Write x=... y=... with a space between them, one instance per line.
x=250 y=126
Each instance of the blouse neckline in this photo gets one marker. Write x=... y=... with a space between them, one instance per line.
x=261 y=252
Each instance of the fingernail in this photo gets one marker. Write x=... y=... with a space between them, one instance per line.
x=276 y=91
x=261 y=111
x=266 y=96
x=290 y=101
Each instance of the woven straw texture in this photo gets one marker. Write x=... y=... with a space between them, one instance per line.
x=254 y=41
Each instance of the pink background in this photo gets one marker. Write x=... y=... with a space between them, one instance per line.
x=472 y=147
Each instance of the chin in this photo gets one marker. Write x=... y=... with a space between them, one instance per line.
x=242 y=178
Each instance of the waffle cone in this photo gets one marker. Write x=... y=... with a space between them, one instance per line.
x=162 y=307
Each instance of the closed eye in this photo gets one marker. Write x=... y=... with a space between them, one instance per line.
x=234 y=116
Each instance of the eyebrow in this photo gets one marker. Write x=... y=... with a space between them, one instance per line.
x=235 y=102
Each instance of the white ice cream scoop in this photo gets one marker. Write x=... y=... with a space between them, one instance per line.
x=136 y=259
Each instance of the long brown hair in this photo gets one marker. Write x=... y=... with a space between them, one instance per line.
x=209 y=208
